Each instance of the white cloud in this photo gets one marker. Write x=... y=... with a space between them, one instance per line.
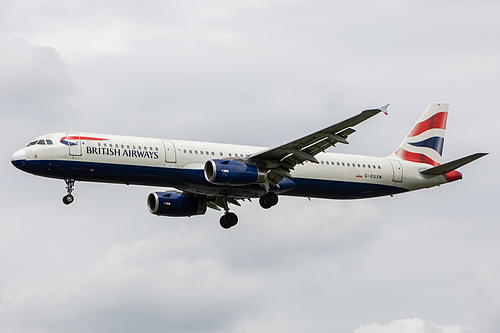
x=414 y=325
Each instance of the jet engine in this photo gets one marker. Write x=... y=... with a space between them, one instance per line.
x=175 y=204
x=235 y=173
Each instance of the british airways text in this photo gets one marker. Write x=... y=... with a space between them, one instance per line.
x=122 y=152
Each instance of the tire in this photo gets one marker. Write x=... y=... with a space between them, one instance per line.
x=263 y=202
x=268 y=200
x=224 y=223
x=232 y=219
x=67 y=199
x=272 y=198
x=228 y=220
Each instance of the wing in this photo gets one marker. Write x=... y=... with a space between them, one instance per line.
x=281 y=160
x=217 y=202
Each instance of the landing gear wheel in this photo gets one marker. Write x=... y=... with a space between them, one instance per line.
x=228 y=220
x=68 y=198
x=268 y=200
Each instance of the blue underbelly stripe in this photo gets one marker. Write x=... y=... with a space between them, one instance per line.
x=193 y=180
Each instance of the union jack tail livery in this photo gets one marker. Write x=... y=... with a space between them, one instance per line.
x=424 y=144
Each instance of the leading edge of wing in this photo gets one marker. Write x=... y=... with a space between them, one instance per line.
x=322 y=139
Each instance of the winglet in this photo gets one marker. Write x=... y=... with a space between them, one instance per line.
x=384 y=109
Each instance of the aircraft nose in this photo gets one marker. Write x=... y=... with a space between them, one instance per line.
x=18 y=159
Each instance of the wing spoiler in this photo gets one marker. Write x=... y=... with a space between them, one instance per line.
x=450 y=166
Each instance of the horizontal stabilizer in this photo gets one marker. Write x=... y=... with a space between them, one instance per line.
x=450 y=166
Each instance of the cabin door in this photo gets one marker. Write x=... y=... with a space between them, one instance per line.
x=170 y=156
x=397 y=171
x=74 y=143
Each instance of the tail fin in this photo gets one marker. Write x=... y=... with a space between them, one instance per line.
x=424 y=143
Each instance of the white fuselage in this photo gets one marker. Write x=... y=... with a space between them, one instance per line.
x=180 y=164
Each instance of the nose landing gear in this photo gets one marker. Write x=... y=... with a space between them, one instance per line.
x=68 y=198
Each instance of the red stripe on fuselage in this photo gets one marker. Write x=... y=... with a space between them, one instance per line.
x=436 y=121
x=74 y=137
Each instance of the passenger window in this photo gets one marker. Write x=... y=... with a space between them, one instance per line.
x=343 y=164
x=379 y=167
x=213 y=153
x=221 y=154
x=128 y=146
x=139 y=148
x=368 y=166
x=190 y=151
x=156 y=148
x=207 y=152
x=49 y=142
x=229 y=154
x=98 y=144
x=123 y=146
x=322 y=162
x=348 y=165
x=185 y=151
x=201 y=152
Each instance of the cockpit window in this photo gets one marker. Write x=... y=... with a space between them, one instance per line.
x=40 y=142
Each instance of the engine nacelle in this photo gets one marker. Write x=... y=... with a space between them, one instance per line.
x=175 y=204
x=236 y=173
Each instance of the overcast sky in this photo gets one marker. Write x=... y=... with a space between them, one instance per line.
x=260 y=73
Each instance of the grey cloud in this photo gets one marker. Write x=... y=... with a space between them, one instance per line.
x=258 y=73
x=35 y=86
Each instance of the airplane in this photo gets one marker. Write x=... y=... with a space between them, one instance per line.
x=214 y=175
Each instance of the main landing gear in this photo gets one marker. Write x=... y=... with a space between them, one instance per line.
x=68 y=198
x=268 y=200
x=229 y=219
